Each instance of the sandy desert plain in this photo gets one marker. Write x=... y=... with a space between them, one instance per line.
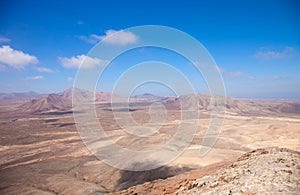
x=41 y=151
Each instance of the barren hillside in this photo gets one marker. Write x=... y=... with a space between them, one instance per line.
x=261 y=171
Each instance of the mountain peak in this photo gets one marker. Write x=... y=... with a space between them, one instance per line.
x=148 y=96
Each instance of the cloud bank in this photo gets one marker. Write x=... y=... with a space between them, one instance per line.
x=112 y=37
x=15 y=58
x=81 y=61
x=42 y=69
x=265 y=54
x=35 y=77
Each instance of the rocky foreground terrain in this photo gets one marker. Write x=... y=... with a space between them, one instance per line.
x=262 y=171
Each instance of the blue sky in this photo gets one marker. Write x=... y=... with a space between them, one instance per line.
x=256 y=44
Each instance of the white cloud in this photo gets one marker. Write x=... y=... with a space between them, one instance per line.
x=90 y=39
x=70 y=79
x=42 y=69
x=265 y=54
x=4 y=39
x=35 y=77
x=81 y=61
x=113 y=37
x=119 y=37
x=16 y=58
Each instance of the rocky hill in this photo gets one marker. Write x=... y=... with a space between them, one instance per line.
x=63 y=101
x=240 y=106
x=148 y=96
x=48 y=103
x=82 y=95
x=78 y=94
x=262 y=171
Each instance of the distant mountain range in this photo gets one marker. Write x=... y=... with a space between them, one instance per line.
x=36 y=103
x=17 y=98
x=9 y=96
x=63 y=101
x=148 y=96
x=81 y=95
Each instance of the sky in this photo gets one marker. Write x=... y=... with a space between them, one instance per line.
x=255 y=44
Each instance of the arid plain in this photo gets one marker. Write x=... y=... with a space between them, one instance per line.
x=41 y=151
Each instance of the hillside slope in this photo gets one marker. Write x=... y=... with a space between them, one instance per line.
x=50 y=102
x=262 y=171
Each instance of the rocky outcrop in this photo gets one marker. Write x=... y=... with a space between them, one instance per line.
x=262 y=171
x=48 y=103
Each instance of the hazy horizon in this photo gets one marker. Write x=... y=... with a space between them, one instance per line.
x=161 y=95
